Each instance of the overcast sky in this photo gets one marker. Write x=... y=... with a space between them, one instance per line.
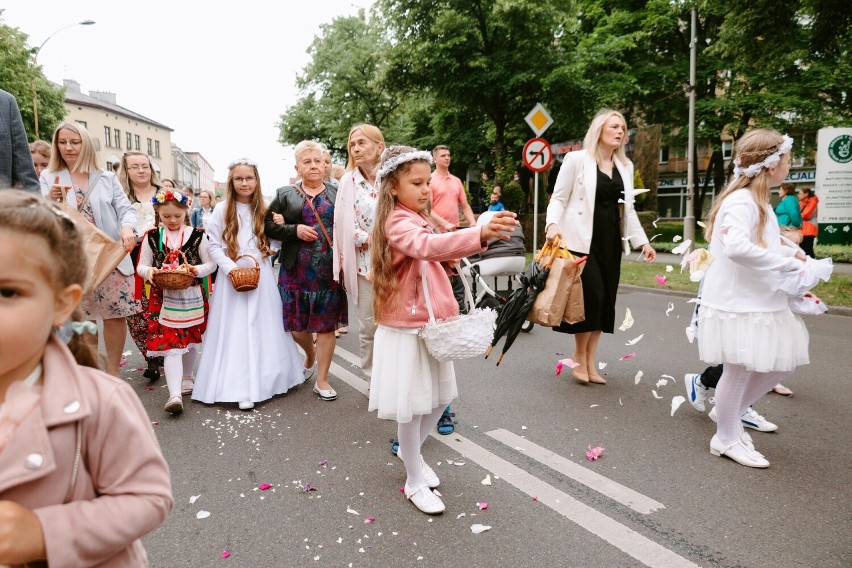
x=220 y=78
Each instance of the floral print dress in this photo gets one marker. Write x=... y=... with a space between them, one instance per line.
x=313 y=300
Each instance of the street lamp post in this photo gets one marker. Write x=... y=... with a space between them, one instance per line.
x=35 y=61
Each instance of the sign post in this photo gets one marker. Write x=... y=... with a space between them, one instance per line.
x=537 y=155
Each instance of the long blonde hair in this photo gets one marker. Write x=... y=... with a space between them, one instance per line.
x=593 y=136
x=383 y=273
x=124 y=175
x=752 y=148
x=232 y=220
x=87 y=161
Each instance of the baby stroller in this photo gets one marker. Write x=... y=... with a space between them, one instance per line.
x=500 y=259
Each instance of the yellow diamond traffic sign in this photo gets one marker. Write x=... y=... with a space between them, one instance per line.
x=539 y=119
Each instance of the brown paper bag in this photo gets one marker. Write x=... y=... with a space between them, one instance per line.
x=549 y=306
x=103 y=253
x=575 y=310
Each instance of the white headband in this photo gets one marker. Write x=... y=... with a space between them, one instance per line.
x=241 y=162
x=769 y=162
x=390 y=165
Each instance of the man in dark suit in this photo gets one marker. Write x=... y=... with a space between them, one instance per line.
x=16 y=164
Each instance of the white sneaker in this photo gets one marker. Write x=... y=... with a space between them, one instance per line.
x=738 y=452
x=696 y=393
x=429 y=474
x=424 y=499
x=751 y=419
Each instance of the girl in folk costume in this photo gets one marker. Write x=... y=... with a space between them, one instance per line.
x=408 y=384
x=247 y=355
x=176 y=318
x=744 y=321
x=140 y=182
x=73 y=491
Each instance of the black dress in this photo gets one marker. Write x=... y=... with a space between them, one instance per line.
x=603 y=268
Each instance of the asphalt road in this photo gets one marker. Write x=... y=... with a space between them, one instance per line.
x=656 y=496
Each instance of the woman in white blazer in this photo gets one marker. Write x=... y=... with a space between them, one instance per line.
x=73 y=176
x=592 y=209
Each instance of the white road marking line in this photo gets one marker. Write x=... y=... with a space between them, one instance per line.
x=624 y=495
x=622 y=537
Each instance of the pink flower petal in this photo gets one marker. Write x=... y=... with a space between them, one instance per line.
x=323 y=463
x=155 y=423
x=661 y=279
x=482 y=506
x=369 y=520
x=225 y=554
x=535 y=499
x=264 y=486
x=594 y=453
x=628 y=356
x=149 y=388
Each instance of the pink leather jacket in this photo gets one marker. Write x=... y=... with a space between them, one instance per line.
x=123 y=489
x=413 y=239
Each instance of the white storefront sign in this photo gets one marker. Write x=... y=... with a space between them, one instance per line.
x=834 y=184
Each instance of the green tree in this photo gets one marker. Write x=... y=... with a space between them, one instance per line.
x=17 y=76
x=483 y=61
x=343 y=85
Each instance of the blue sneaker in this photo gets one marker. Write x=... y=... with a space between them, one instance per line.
x=696 y=393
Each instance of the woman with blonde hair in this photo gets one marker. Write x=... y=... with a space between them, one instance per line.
x=354 y=213
x=592 y=209
x=140 y=182
x=73 y=176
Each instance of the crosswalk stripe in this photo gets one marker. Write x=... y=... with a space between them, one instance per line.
x=614 y=490
x=622 y=537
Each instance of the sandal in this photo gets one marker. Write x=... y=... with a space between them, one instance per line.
x=187 y=384
x=394 y=446
x=446 y=424
x=782 y=390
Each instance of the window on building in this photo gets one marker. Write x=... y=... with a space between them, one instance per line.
x=107 y=136
x=129 y=141
x=664 y=155
x=727 y=149
x=117 y=137
x=136 y=142
x=83 y=123
x=150 y=147
x=157 y=148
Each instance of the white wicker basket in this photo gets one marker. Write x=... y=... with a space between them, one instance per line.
x=460 y=337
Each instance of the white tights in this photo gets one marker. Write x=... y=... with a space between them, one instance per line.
x=411 y=437
x=176 y=366
x=738 y=389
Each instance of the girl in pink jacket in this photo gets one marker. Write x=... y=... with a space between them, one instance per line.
x=73 y=491
x=408 y=384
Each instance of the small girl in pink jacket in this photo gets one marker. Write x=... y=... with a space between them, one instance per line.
x=82 y=478
x=408 y=384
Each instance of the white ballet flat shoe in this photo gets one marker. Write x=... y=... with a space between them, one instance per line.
x=738 y=452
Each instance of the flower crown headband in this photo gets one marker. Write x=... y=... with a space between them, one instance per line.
x=242 y=162
x=393 y=163
x=769 y=162
x=169 y=195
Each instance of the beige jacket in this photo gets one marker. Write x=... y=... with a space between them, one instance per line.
x=123 y=488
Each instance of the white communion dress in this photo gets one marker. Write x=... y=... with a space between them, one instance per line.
x=246 y=354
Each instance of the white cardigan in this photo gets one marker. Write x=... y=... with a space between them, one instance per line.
x=736 y=281
x=572 y=205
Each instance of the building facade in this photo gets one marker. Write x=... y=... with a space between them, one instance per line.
x=186 y=171
x=115 y=129
x=205 y=172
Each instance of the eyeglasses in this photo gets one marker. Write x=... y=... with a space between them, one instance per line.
x=249 y=179
x=136 y=167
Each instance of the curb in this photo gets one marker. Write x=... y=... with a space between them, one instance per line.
x=832 y=310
